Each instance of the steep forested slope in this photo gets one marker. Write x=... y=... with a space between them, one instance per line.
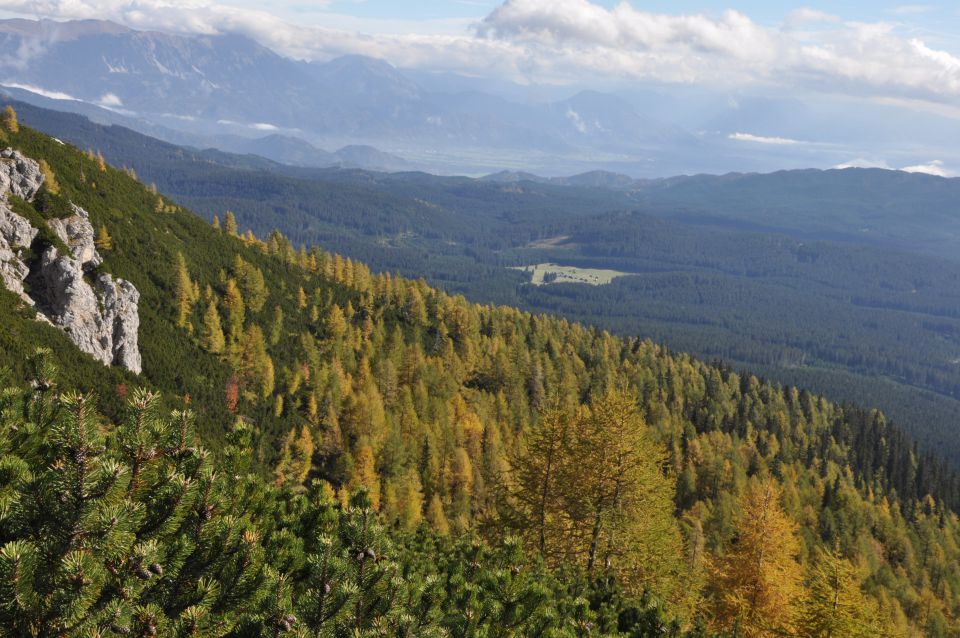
x=640 y=476
x=887 y=324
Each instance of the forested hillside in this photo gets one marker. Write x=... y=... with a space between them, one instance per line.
x=359 y=422
x=887 y=324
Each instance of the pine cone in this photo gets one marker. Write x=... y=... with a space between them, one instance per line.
x=327 y=588
x=371 y=553
x=143 y=574
x=284 y=625
x=156 y=568
x=290 y=618
x=120 y=629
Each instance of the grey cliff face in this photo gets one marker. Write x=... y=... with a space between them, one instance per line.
x=16 y=234
x=19 y=174
x=77 y=233
x=121 y=314
x=102 y=318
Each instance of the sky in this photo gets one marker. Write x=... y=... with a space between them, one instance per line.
x=936 y=22
x=902 y=51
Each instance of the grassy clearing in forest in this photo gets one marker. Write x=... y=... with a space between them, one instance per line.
x=541 y=274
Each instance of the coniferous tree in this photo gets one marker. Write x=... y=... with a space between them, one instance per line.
x=49 y=179
x=276 y=326
x=621 y=500
x=296 y=458
x=536 y=506
x=184 y=292
x=8 y=118
x=236 y=311
x=230 y=223
x=834 y=605
x=252 y=285
x=211 y=332
x=126 y=534
x=104 y=241
x=757 y=584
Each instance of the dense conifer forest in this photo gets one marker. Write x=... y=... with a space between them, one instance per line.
x=719 y=266
x=314 y=449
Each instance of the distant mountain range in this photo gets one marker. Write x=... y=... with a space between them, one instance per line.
x=216 y=88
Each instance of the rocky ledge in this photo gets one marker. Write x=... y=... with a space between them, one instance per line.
x=99 y=313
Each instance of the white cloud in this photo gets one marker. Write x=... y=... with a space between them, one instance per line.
x=760 y=139
x=263 y=126
x=862 y=162
x=936 y=167
x=110 y=99
x=571 y=41
x=805 y=16
x=53 y=95
x=870 y=58
x=576 y=120
x=933 y=167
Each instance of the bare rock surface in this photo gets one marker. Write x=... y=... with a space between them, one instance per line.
x=100 y=314
x=77 y=233
x=19 y=174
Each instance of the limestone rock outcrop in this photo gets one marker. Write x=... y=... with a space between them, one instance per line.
x=77 y=233
x=16 y=235
x=100 y=314
x=102 y=319
x=19 y=175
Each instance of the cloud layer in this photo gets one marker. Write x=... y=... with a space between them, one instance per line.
x=761 y=139
x=570 y=41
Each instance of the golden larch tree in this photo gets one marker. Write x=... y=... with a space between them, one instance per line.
x=835 y=606
x=756 y=585
x=211 y=332
x=184 y=292
x=9 y=119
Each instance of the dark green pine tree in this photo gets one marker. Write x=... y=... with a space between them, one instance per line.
x=500 y=593
x=355 y=587
x=124 y=531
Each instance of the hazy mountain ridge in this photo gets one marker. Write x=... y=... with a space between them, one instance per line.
x=230 y=84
